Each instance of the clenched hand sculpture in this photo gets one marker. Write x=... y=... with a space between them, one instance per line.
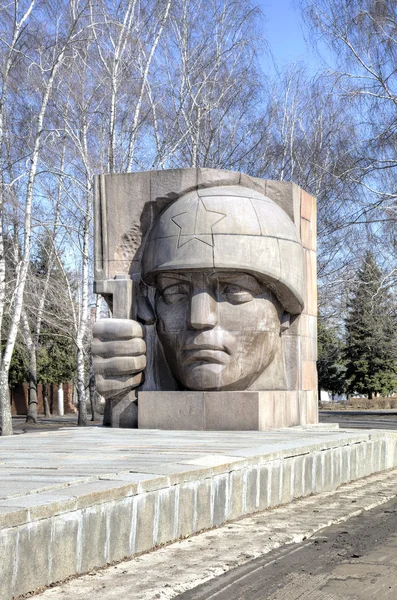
x=222 y=272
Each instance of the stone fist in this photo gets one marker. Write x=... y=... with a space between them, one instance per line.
x=118 y=353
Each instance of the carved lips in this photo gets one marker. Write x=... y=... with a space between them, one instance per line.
x=202 y=352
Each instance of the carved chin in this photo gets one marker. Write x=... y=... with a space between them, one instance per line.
x=203 y=376
x=214 y=377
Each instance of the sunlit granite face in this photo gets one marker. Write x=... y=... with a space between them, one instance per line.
x=227 y=267
x=219 y=329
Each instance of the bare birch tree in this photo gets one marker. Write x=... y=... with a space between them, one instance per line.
x=208 y=85
x=43 y=65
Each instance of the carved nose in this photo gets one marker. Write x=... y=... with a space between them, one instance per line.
x=203 y=311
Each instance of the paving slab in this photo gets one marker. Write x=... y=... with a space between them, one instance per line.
x=78 y=499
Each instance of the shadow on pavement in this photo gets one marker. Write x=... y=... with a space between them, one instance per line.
x=48 y=423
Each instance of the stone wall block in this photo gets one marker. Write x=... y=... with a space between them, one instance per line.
x=391 y=453
x=164 y=184
x=227 y=411
x=307 y=348
x=64 y=548
x=308 y=486
x=253 y=183
x=328 y=471
x=336 y=467
x=280 y=416
x=346 y=471
x=186 y=508
x=252 y=490
x=216 y=177
x=267 y=410
x=187 y=410
x=291 y=348
x=119 y=521
x=367 y=460
x=292 y=401
x=276 y=482
x=353 y=461
x=302 y=398
x=298 y=476
x=361 y=452
x=204 y=505
x=383 y=455
x=318 y=472
x=307 y=235
x=33 y=557
x=93 y=539
x=296 y=202
x=311 y=280
x=166 y=513
x=287 y=481
x=220 y=492
x=281 y=192
x=376 y=455
x=312 y=403
x=309 y=375
x=307 y=206
x=145 y=506
x=263 y=493
x=370 y=456
x=237 y=484
x=8 y=555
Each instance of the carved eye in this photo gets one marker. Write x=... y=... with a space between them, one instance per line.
x=234 y=294
x=175 y=294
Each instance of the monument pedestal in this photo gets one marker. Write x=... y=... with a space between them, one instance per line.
x=108 y=494
x=121 y=412
x=226 y=411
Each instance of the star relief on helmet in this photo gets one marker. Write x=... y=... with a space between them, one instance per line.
x=197 y=223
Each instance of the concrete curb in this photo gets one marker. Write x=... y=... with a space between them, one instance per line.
x=186 y=564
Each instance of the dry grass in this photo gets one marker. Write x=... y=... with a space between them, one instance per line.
x=361 y=404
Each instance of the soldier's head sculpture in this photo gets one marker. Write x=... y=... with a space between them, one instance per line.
x=226 y=264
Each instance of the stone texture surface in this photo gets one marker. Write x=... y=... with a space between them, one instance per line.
x=170 y=410
x=188 y=563
x=182 y=222
x=225 y=411
x=214 y=476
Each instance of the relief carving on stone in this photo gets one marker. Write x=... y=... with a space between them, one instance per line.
x=221 y=274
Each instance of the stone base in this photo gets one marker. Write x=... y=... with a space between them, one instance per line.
x=226 y=411
x=107 y=494
x=121 y=412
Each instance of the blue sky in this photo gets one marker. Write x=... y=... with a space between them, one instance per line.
x=285 y=33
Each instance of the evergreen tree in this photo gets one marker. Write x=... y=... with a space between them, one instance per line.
x=370 y=334
x=52 y=349
x=56 y=358
x=331 y=367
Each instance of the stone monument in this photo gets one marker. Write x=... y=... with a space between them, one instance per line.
x=210 y=276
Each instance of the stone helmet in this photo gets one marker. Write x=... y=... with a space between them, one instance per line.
x=229 y=228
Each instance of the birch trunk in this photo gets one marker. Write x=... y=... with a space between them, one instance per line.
x=145 y=74
x=31 y=416
x=22 y=270
x=47 y=410
x=83 y=320
x=82 y=406
x=92 y=390
x=5 y=406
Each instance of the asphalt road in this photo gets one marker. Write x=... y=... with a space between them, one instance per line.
x=349 y=561
x=360 y=419
x=346 y=419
